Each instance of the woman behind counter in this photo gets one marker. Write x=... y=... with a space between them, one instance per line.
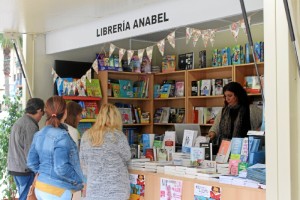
x=235 y=119
x=54 y=155
x=104 y=153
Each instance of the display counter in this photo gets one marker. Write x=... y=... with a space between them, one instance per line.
x=228 y=192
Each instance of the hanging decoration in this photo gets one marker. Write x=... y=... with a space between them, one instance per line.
x=129 y=55
x=161 y=46
x=188 y=34
x=121 y=54
x=52 y=71
x=171 y=39
x=95 y=65
x=149 y=51
x=140 y=54
x=89 y=75
x=111 y=49
x=242 y=24
x=196 y=34
x=212 y=36
x=205 y=37
x=234 y=28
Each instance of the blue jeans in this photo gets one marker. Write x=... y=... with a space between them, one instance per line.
x=40 y=195
x=23 y=184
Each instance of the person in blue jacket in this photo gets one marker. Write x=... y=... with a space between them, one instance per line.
x=54 y=156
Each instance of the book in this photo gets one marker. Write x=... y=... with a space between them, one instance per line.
x=172 y=89
x=236 y=145
x=156 y=91
x=189 y=60
x=217 y=86
x=234 y=167
x=214 y=59
x=126 y=88
x=135 y=64
x=181 y=62
x=237 y=54
x=169 y=141
x=146 y=65
x=251 y=84
x=205 y=87
x=194 y=86
x=91 y=108
x=115 y=89
x=157 y=115
x=147 y=140
x=165 y=90
x=126 y=115
x=180 y=115
x=93 y=88
x=207 y=150
x=188 y=140
x=202 y=59
x=83 y=126
x=145 y=118
x=223 y=152
x=165 y=115
x=179 y=88
x=168 y=63
x=225 y=52
x=197 y=155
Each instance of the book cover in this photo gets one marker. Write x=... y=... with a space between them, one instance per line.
x=236 y=54
x=83 y=126
x=115 y=89
x=188 y=140
x=202 y=59
x=236 y=145
x=172 y=89
x=135 y=64
x=80 y=87
x=126 y=115
x=145 y=118
x=126 y=88
x=93 y=88
x=169 y=141
x=180 y=115
x=156 y=91
x=207 y=150
x=197 y=155
x=247 y=53
x=168 y=63
x=223 y=152
x=165 y=114
x=147 y=140
x=165 y=90
x=205 y=87
x=257 y=51
x=157 y=115
x=91 y=108
x=214 y=59
x=189 y=60
x=194 y=86
x=251 y=84
x=149 y=154
x=181 y=62
x=137 y=186
x=226 y=56
x=162 y=154
x=234 y=167
x=179 y=88
x=146 y=65
x=217 y=86
x=158 y=141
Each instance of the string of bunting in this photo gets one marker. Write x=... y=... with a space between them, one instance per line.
x=191 y=34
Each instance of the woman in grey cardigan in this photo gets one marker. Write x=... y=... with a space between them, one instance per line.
x=104 y=153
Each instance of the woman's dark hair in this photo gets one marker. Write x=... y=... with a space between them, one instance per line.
x=238 y=91
x=73 y=109
x=33 y=105
x=55 y=110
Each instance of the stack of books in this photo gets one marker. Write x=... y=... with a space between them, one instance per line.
x=257 y=173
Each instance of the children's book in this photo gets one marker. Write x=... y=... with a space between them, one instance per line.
x=146 y=65
x=169 y=142
x=126 y=115
x=80 y=87
x=147 y=141
x=115 y=87
x=214 y=59
x=206 y=87
x=223 y=152
x=91 y=108
x=188 y=140
x=197 y=155
x=126 y=88
x=237 y=53
x=226 y=56
x=179 y=88
x=135 y=64
x=251 y=84
x=202 y=59
x=165 y=90
x=168 y=63
x=217 y=87
x=93 y=88
x=165 y=114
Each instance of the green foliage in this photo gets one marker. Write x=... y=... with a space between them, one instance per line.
x=13 y=107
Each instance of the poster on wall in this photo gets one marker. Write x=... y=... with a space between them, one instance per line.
x=137 y=186
x=170 y=189
x=205 y=192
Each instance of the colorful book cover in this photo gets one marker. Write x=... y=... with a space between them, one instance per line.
x=179 y=88
x=148 y=140
x=170 y=189
x=156 y=91
x=165 y=90
x=205 y=192
x=247 y=53
x=169 y=63
x=80 y=87
x=135 y=64
x=251 y=84
x=91 y=108
x=226 y=56
x=223 y=152
x=214 y=59
x=93 y=88
x=137 y=186
x=115 y=89
x=236 y=54
x=207 y=150
x=126 y=88
x=63 y=86
x=188 y=140
x=206 y=87
x=234 y=167
x=217 y=87
x=126 y=115
x=146 y=65
x=257 y=51
x=197 y=155
x=83 y=126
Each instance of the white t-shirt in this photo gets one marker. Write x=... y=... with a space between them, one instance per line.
x=73 y=133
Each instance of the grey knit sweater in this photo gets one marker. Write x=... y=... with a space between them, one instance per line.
x=105 y=167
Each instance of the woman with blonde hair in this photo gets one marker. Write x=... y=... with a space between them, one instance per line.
x=54 y=155
x=104 y=153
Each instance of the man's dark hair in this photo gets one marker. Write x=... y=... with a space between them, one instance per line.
x=33 y=105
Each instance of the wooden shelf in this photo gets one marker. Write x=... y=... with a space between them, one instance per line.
x=137 y=124
x=130 y=99
x=82 y=98
x=88 y=120
x=205 y=97
x=170 y=98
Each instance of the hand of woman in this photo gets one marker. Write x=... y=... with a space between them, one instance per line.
x=83 y=191
x=211 y=135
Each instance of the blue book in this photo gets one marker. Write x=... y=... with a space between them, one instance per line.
x=236 y=145
x=226 y=56
x=126 y=88
x=247 y=53
x=147 y=140
x=257 y=157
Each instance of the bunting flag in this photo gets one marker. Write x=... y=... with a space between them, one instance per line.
x=196 y=34
x=129 y=55
x=205 y=37
x=212 y=36
x=171 y=39
x=83 y=78
x=55 y=77
x=234 y=28
x=149 y=51
x=140 y=54
x=52 y=72
x=188 y=34
x=89 y=75
x=111 y=49
x=242 y=24
x=161 y=46
x=95 y=65
x=121 y=54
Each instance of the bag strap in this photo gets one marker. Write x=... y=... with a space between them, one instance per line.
x=35 y=178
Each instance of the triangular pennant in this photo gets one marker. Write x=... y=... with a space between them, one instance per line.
x=95 y=65
x=129 y=55
x=171 y=39
x=161 y=46
x=149 y=51
x=212 y=36
x=140 y=54
x=52 y=71
x=234 y=28
x=188 y=34
x=55 y=77
x=242 y=24
x=121 y=54
x=89 y=75
x=205 y=37
x=83 y=78
x=196 y=35
x=111 y=49
x=59 y=81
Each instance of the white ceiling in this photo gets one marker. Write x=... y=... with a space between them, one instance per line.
x=42 y=16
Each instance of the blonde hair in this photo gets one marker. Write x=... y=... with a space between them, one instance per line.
x=108 y=120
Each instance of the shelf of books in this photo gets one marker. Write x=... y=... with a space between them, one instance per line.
x=132 y=93
x=81 y=98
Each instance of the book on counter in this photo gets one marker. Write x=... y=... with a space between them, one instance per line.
x=223 y=152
